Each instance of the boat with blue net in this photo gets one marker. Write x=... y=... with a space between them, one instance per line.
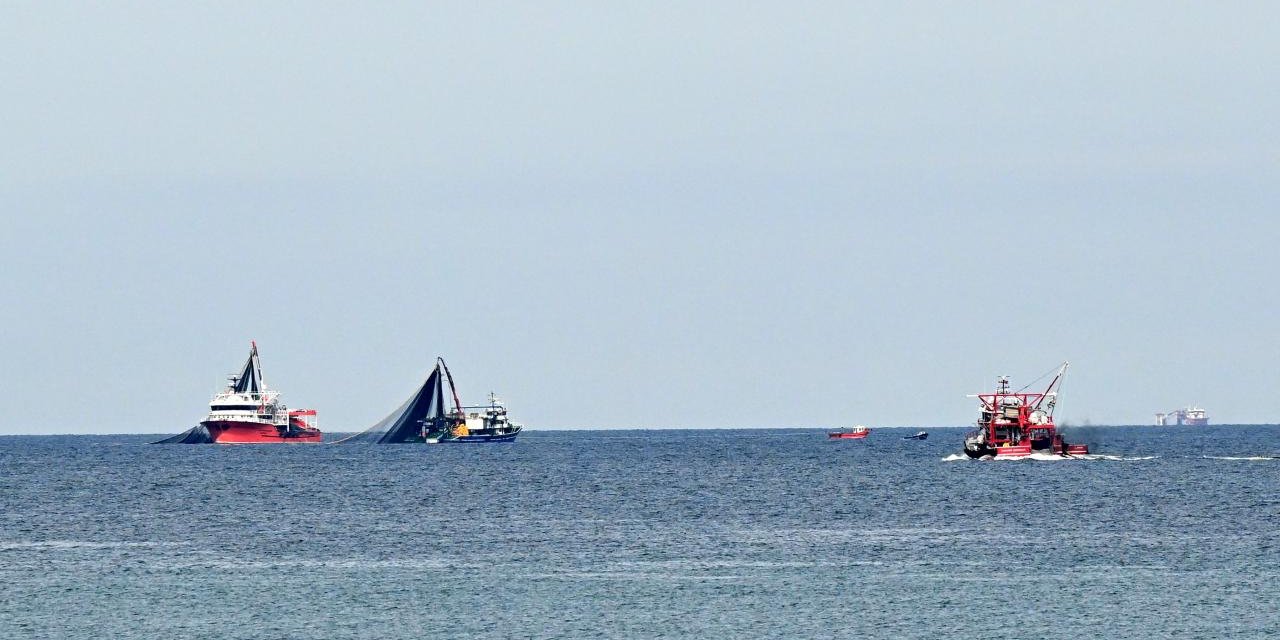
x=424 y=418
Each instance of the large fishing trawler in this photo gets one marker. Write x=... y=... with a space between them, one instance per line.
x=1013 y=424
x=423 y=418
x=249 y=412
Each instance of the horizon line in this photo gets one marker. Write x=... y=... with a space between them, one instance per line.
x=777 y=428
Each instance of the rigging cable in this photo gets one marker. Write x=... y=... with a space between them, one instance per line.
x=1042 y=377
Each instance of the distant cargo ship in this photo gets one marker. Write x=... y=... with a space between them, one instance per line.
x=1192 y=416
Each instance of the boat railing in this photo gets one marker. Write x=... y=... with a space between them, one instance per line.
x=246 y=413
x=482 y=406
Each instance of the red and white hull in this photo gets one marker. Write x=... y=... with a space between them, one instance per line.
x=849 y=435
x=247 y=412
x=243 y=432
x=1013 y=451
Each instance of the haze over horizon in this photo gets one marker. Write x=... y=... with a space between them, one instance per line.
x=643 y=215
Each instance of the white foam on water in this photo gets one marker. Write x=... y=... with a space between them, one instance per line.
x=1045 y=456
x=337 y=563
x=1053 y=456
x=80 y=544
x=687 y=564
x=1242 y=457
x=1093 y=456
x=1034 y=456
x=848 y=536
x=646 y=576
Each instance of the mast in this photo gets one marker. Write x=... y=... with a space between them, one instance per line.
x=257 y=366
x=249 y=381
x=457 y=404
x=1050 y=392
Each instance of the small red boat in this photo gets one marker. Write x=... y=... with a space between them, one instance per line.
x=856 y=433
x=1015 y=424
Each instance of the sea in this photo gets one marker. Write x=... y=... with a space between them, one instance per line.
x=1169 y=532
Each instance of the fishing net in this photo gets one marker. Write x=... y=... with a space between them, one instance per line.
x=425 y=406
x=195 y=435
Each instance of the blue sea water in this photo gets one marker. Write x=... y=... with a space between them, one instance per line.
x=638 y=534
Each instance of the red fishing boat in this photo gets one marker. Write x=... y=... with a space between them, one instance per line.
x=856 y=433
x=247 y=412
x=1014 y=424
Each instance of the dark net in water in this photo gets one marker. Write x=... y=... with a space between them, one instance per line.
x=405 y=423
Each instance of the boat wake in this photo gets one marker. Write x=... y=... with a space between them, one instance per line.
x=1052 y=456
x=1242 y=457
x=1093 y=456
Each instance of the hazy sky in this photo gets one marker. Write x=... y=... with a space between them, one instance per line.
x=640 y=214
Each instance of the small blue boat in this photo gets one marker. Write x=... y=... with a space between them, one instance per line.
x=919 y=435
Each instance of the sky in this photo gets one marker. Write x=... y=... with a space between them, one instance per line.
x=639 y=215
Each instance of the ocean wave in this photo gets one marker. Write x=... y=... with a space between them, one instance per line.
x=1098 y=456
x=79 y=544
x=863 y=536
x=632 y=576
x=690 y=563
x=234 y=564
